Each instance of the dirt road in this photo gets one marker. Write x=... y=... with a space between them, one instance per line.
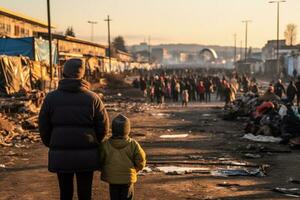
x=211 y=144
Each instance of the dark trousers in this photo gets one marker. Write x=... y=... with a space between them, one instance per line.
x=207 y=96
x=84 y=185
x=121 y=191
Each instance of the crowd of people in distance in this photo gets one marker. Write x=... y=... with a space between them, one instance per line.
x=190 y=86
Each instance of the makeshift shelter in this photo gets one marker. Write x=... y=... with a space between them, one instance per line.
x=36 y=49
x=21 y=74
x=13 y=75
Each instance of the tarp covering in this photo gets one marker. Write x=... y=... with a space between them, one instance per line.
x=17 y=46
x=33 y=48
x=21 y=74
x=41 y=49
x=13 y=75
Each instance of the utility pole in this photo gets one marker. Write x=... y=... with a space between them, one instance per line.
x=108 y=20
x=246 y=38
x=234 y=59
x=277 y=54
x=241 y=50
x=50 y=43
x=92 y=29
x=149 y=49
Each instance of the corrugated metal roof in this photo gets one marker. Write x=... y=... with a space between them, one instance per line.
x=20 y=16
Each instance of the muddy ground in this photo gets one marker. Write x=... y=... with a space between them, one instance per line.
x=210 y=139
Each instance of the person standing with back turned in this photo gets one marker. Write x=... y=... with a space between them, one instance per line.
x=72 y=123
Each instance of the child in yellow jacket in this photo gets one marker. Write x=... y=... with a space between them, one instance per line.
x=121 y=158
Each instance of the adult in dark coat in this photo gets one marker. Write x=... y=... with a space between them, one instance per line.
x=279 y=88
x=291 y=91
x=297 y=84
x=72 y=122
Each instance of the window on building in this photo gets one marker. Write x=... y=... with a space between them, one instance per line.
x=17 y=30
x=26 y=32
x=22 y=31
x=8 y=28
x=2 y=27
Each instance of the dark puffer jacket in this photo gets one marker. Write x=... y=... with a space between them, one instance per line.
x=72 y=122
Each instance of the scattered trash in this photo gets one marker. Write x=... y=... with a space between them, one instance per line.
x=174 y=136
x=144 y=171
x=261 y=138
x=195 y=157
x=225 y=184
x=161 y=114
x=254 y=156
x=238 y=172
x=291 y=192
x=2 y=166
x=295 y=143
x=174 y=170
x=292 y=180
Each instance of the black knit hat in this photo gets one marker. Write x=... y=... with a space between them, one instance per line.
x=120 y=126
x=74 y=68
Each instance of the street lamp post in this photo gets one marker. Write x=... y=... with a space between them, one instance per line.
x=92 y=29
x=246 y=37
x=108 y=20
x=277 y=53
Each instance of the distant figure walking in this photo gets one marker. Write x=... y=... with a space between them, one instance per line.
x=185 y=98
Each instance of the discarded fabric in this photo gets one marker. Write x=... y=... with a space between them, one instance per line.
x=291 y=192
x=174 y=170
x=261 y=138
x=238 y=172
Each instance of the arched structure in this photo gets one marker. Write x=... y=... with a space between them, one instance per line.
x=208 y=55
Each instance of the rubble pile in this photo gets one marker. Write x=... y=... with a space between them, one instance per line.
x=267 y=117
x=19 y=120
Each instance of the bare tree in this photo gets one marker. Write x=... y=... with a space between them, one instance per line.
x=70 y=31
x=290 y=34
x=119 y=43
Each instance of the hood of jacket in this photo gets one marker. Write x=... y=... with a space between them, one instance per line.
x=73 y=85
x=119 y=143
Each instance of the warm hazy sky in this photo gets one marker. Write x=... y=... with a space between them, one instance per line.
x=167 y=21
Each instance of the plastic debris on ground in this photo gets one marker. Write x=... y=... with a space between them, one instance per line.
x=225 y=184
x=175 y=170
x=173 y=136
x=262 y=138
x=253 y=156
x=291 y=192
x=238 y=172
x=161 y=114
x=295 y=181
x=145 y=171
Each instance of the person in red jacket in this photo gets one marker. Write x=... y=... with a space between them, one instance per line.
x=201 y=91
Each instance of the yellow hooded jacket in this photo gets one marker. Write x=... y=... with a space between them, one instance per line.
x=121 y=159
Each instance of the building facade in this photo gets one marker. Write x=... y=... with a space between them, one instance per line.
x=14 y=25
